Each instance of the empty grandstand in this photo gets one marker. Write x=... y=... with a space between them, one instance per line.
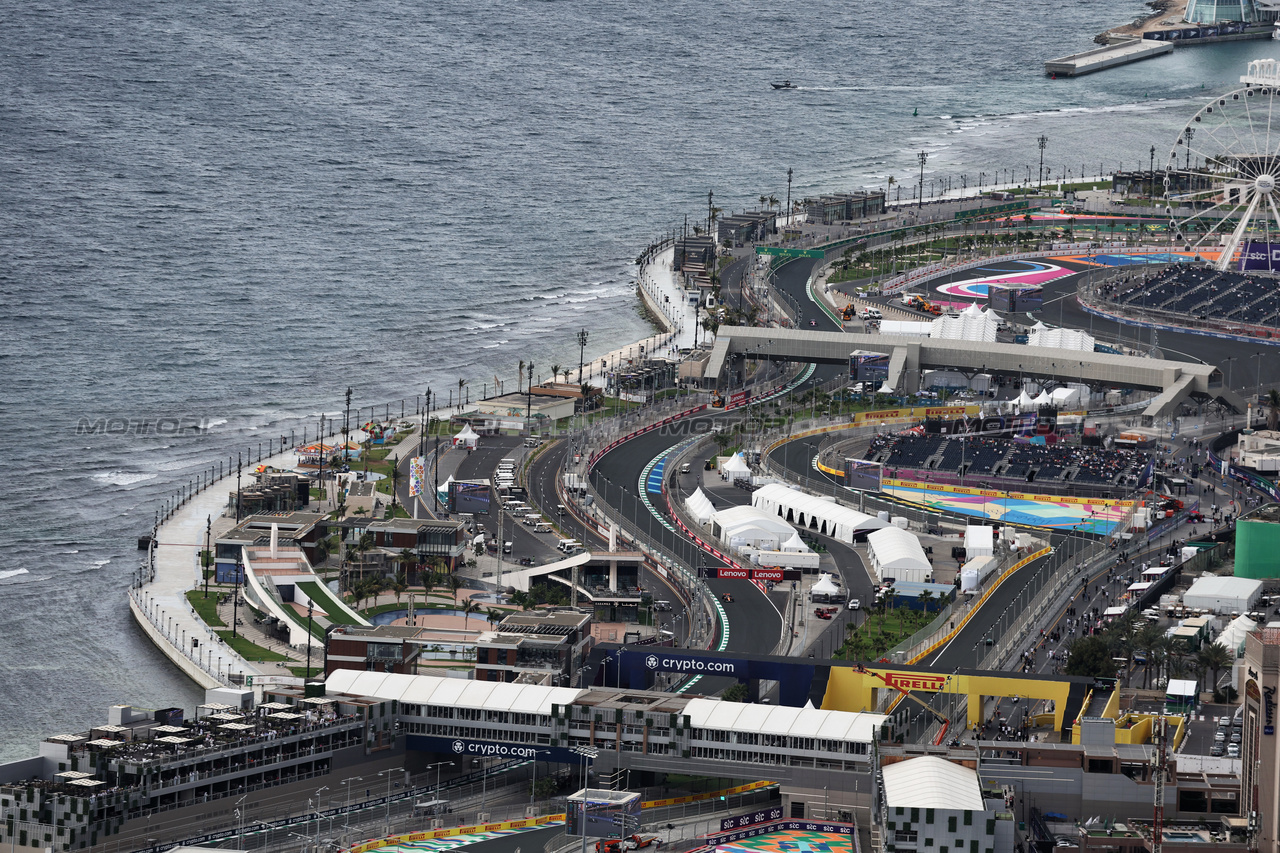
x=1199 y=293
x=973 y=460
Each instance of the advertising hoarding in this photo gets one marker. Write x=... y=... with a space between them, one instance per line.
x=1259 y=256
x=469 y=497
x=602 y=814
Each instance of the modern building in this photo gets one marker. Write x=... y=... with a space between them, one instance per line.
x=747 y=227
x=366 y=648
x=97 y=788
x=274 y=491
x=426 y=538
x=302 y=530
x=930 y=803
x=535 y=647
x=694 y=250
x=1225 y=11
x=1259 y=450
x=843 y=207
x=1260 y=752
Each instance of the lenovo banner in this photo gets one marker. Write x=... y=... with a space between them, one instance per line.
x=755 y=574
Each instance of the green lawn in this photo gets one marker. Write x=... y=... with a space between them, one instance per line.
x=206 y=608
x=249 y=651
x=322 y=596
x=303 y=672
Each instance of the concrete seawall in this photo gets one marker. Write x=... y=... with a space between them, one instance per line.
x=195 y=673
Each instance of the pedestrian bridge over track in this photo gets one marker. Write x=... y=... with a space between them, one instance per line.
x=1174 y=381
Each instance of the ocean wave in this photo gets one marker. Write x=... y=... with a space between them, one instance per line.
x=12 y=573
x=122 y=478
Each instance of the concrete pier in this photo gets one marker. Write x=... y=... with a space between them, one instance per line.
x=1108 y=56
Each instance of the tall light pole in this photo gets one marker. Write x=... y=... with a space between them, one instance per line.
x=923 y=157
x=582 y=349
x=528 y=416
x=1187 y=135
x=1258 y=355
x=789 y=222
x=1151 y=170
x=1042 y=142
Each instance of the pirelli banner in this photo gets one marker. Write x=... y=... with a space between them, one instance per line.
x=915 y=413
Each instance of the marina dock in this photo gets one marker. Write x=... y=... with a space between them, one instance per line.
x=1108 y=56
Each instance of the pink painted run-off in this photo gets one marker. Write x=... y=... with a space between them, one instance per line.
x=963 y=288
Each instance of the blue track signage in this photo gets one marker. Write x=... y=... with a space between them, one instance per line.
x=694 y=665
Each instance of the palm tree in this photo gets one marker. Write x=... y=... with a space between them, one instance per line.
x=468 y=607
x=454 y=583
x=555 y=371
x=407 y=560
x=395 y=482
x=399 y=585
x=925 y=598
x=565 y=372
x=1215 y=657
x=495 y=615
x=461 y=384
x=1149 y=640
x=363 y=546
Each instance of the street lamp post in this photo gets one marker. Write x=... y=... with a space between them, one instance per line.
x=582 y=349
x=346 y=818
x=789 y=197
x=923 y=157
x=1042 y=142
x=588 y=754
x=528 y=417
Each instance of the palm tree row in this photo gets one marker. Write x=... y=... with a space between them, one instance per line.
x=1161 y=656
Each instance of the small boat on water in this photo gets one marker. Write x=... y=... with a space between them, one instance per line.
x=785 y=84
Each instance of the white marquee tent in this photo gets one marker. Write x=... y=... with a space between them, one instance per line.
x=897 y=554
x=467 y=437
x=813 y=513
x=699 y=506
x=744 y=527
x=735 y=467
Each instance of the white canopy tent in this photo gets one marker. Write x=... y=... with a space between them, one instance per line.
x=743 y=527
x=824 y=586
x=735 y=467
x=699 y=506
x=467 y=437
x=1232 y=637
x=897 y=554
x=1223 y=594
x=979 y=541
x=813 y=513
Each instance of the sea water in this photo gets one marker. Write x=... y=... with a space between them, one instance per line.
x=222 y=215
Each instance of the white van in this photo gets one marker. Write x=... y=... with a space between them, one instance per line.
x=872 y=314
x=542 y=527
x=567 y=545
x=684 y=469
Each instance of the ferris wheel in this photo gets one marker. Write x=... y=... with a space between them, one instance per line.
x=1222 y=183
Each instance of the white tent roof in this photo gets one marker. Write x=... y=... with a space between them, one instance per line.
x=1212 y=592
x=979 y=540
x=906 y=327
x=896 y=549
x=971 y=325
x=808 y=511
x=466 y=433
x=781 y=720
x=824 y=586
x=795 y=544
x=1042 y=399
x=929 y=782
x=735 y=464
x=1069 y=339
x=743 y=515
x=430 y=690
x=1232 y=637
x=1024 y=399
x=699 y=506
